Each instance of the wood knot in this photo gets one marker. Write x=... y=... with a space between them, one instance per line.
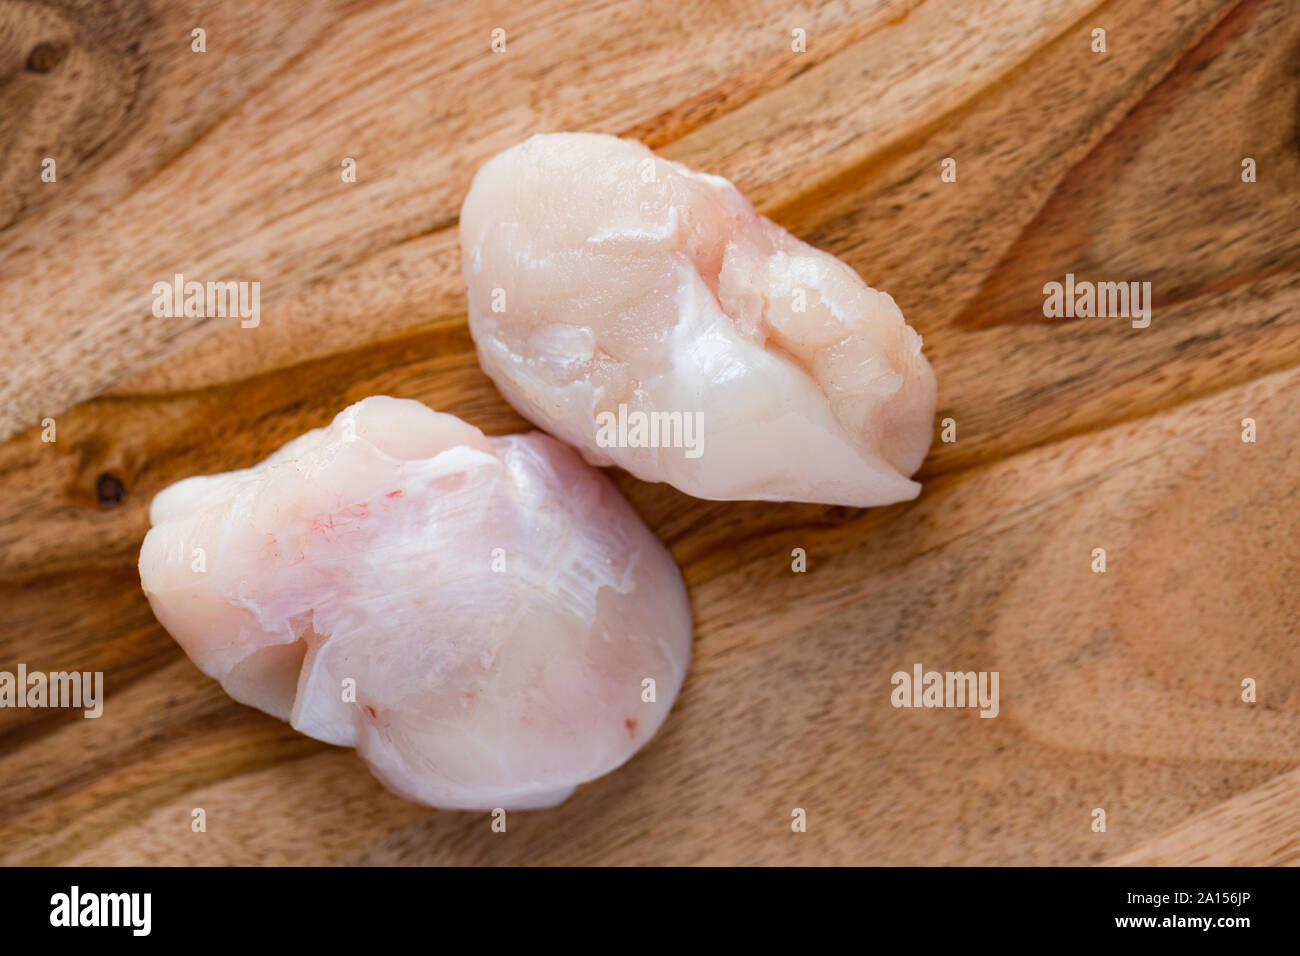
x=46 y=56
x=109 y=490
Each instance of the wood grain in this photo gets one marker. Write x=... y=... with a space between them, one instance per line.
x=1259 y=826
x=1119 y=691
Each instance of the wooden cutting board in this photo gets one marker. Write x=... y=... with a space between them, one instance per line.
x=1120 y=691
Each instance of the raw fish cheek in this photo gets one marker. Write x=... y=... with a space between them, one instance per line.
x=473 y=687
x=616 y=287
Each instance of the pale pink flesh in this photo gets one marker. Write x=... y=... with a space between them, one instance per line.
x=600 y=275
x=498 y=605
